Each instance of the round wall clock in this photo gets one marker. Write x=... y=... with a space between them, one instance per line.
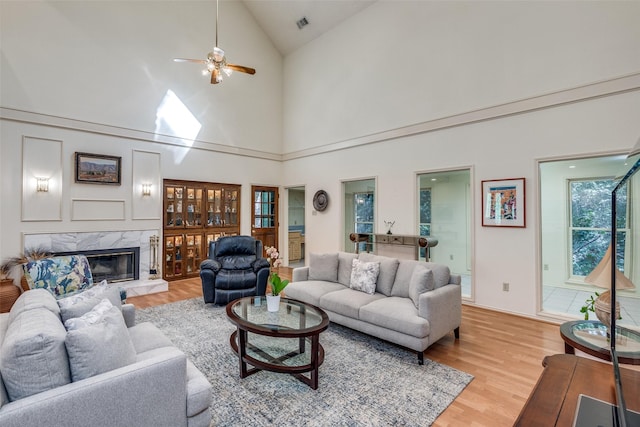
x=320 y=200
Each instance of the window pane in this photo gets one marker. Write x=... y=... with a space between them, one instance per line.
x=591 y=203
x=425 y=206
x=588 y=249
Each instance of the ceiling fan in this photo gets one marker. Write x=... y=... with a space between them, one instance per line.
x=216 y=61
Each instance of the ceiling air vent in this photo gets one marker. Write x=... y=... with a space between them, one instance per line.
x=302 y=22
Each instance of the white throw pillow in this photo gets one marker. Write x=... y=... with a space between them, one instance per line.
x=98 y=342
x=364 y=276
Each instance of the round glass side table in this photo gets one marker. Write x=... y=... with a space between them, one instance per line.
x=590 y=336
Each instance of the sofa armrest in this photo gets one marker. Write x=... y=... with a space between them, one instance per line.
x=129 y=314
x=442 y=307
x=300 y=274
x=147 y=393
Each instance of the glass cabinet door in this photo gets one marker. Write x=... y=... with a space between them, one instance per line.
x=231 y=207
x=173 y=207
x=194 y=207
x=194 y=253
x=173 y=255
x=214 y=208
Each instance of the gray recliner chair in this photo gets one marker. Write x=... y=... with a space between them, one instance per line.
x=236 y=268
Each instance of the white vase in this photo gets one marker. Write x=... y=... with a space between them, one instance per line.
x=273 y=302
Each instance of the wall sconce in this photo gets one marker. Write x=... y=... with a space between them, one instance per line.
x=146 y=189
x=42 y=185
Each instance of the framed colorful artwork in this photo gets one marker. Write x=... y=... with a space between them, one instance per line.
x=98 y=169
x=503 y=203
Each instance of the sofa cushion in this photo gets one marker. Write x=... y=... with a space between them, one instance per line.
x=311 y=291
x=421 y=281
x=403 y=278
x=364 y=276
x=33 y=357
x=347 y=302
x=198 y=391
x=441 y=274
x=323 y=267
x=388 y=269
x=36 y=298
x=99 y=344
x=80 y=303
x=146 y=336
x=397 y=314
x=345 y=266
x=60 y=275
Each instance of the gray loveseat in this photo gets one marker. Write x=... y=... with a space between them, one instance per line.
x=110 y=373
x=414 y=303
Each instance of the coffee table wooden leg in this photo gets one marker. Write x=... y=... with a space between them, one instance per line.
x=315 y=343
x=568 y=349
x=242 y=352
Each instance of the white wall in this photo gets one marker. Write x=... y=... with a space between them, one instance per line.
x=401 y=88
x=399 y=62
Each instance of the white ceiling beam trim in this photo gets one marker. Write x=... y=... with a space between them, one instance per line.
x=131 y=134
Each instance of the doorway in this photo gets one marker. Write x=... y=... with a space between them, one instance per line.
x=359 y=211
x=264 y=215
x=295 y=226
x=444 y=212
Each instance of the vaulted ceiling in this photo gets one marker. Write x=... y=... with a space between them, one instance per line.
x=278 y=18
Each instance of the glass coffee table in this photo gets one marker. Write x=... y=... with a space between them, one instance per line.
x=285 y=341
x=591 y=337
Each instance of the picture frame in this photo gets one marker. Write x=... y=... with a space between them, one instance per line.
x=98 y=169
x=503 y=203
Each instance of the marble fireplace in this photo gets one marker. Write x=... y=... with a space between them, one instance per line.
x=105 y=242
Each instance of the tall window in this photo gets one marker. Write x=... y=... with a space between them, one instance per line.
x=590 y=223
x=425 y=216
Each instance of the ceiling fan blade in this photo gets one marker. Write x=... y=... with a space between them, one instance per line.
x=214 y=76
x=241 y=68
x=199 y=61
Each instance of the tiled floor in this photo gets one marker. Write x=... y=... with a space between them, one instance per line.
x=561 y=300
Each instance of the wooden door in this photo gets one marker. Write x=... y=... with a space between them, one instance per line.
x=264 y=215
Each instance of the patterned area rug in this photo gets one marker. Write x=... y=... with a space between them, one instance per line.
x=363 y=381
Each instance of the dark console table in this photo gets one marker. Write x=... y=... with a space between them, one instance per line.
x=554 y=400
x=410 y=244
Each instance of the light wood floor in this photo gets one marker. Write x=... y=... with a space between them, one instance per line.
x=503 y=352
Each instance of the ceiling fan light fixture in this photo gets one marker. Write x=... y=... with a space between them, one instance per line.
x=228 y=71
x=218 y=54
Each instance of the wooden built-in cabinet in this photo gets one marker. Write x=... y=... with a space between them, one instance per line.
x=196 y=213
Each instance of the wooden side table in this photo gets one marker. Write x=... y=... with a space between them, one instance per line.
x=554 y=400
x=9 y=293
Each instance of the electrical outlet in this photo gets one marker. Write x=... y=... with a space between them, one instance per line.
x=505 y=286
x=546 y=267
x=451 y=257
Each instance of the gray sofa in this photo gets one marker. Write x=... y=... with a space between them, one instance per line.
x=107 y=373
x=414 y=303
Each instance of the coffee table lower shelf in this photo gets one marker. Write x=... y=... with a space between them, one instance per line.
x=239 y=343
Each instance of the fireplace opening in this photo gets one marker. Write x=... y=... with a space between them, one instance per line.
x=112 y=265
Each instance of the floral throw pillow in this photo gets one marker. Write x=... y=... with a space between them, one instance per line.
x=364 y=276
x=59 y=275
